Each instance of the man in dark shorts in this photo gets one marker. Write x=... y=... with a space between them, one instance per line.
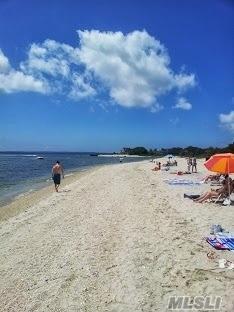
x=57 y=170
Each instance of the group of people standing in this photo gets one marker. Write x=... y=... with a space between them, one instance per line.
x=192 y=164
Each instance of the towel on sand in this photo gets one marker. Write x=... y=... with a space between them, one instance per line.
x=182 y=182
x=221 y=242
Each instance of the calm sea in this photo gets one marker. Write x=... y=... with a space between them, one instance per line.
x=22 y=172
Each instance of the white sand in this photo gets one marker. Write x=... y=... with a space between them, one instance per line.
x=117 y=239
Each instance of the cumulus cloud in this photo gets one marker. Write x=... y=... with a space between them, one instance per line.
x=80 y=88
x=51 y=58
x=227 y=120
x=16 y=81
x=183 y=103
x=133 y=70
x=60 y=65
x=183 y=81
x=12 y=80
x=4 y=63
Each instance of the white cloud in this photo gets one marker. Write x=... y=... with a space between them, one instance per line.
x=80 y=88
x=133 y=69
x=51 y=58
x=227 y=120
x=183 y=81
x=4 y=63
x=156 y=108
x=15 y=81
x=59 y=64
x=182 y=103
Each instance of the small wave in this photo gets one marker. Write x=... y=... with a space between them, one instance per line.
x=17 y=155
x=25 y=193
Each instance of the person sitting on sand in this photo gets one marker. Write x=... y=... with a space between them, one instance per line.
x=57 y=170
x=226 y=189
x=158 y=167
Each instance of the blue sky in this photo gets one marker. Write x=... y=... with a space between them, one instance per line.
x=101 y=75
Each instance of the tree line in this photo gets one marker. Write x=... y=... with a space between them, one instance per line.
x=190 y=151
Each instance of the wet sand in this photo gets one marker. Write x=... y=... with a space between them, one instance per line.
x=25 y=200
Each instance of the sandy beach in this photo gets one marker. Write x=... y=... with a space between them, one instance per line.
x=116 y=238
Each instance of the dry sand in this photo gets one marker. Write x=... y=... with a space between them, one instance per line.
x=116 y=239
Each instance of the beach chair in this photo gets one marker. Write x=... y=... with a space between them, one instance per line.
x=225 y=198
x=220 y=198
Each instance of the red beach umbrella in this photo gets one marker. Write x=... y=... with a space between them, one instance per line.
x=222 y=163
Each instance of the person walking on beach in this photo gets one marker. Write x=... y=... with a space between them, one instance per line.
x=57 y=171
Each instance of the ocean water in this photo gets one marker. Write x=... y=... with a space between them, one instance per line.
x=22 y=172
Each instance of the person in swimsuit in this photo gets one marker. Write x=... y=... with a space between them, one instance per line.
x=57 y=171
x=158 y=167
x=226 y=190
x=189 y=163
x=194 y=164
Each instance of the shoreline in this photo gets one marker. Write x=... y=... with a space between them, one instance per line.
x=26 y=199
x=38 y=183
x=31 y=185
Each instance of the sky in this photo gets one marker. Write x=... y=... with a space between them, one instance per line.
x=101 y=75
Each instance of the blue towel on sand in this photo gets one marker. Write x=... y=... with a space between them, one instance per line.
x=221 y=242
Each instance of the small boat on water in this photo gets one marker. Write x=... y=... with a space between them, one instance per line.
x=40 y=157
x=93 y=154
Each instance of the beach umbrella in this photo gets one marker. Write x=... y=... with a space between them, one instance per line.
x=221 y=163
